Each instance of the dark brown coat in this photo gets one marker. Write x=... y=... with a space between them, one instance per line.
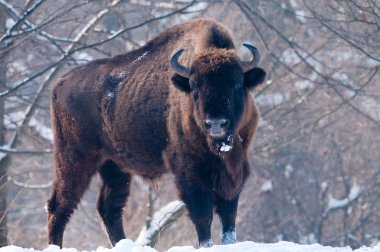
x=133 y=115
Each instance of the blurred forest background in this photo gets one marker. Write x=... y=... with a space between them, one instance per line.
x=315 y=161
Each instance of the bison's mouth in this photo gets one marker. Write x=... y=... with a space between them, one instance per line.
x=223 y=144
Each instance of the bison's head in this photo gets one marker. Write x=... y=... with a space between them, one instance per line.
x=218 y=82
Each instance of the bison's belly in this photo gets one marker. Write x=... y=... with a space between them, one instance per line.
x=140 y=142
x=137 y=119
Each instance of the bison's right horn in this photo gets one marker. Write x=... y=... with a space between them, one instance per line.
x=177 y=67
x=249 y=65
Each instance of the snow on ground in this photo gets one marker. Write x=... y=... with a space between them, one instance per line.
x=267 y=186
x=248 y=246
x=44 y=131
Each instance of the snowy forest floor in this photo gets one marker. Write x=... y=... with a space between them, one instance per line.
x=247 y=246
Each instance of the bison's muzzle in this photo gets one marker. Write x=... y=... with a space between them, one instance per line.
x=217 y=128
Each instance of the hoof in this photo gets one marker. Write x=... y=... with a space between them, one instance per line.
x=229 y=238
x=206 y=244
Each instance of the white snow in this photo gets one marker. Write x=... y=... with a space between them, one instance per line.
x=324 y=186
x=2 y=155
x=120 y=75
x=194 y=10
x=225 y=147
x=142 y=185
x=247 y=246
x=229 y=237
x=303 y=84
x=354 y=192
x=83 y=56
x=140 y=57
x=17 y=66
x=289 y=57
x=371 y=107
x=159 y=219
x=336 y=203
x=9 y=22
x=110 y=94
x=5 y=148
x=308 y=239
x=288 y=171
x=273 y=100
x=44 y=131
x=206 y=244
x=300 y=14
x=267 y=186
x=13 y=120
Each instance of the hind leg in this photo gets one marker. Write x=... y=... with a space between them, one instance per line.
x=72 y=180
x=114 y=191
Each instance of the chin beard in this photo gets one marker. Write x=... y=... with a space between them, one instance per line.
x=221 y=146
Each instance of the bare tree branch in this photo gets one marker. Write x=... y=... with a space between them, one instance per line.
x=72 y=51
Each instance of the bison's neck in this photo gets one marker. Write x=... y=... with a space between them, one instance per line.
x=234 y=171
x=228 y=185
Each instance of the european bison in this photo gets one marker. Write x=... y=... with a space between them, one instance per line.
x=180 y=103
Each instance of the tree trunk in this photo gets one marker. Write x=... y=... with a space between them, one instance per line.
x=3 y=157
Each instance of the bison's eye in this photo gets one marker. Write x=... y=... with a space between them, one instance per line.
x=238 y=86
x=194 y=89
x=195 y=94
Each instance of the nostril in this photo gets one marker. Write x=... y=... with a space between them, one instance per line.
x=208 y=125
x=225 y=123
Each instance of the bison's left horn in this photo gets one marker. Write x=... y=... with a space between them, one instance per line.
x=177 y=67
x=248 y=65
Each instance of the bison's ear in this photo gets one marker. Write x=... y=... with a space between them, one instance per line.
x=254 y=77
x=181 y=83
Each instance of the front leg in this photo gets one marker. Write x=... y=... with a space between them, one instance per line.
x=227 y=209
x=199 y=203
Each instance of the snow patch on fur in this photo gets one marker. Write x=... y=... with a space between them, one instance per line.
x=229 y=237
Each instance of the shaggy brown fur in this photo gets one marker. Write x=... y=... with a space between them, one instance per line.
x=132 y=115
